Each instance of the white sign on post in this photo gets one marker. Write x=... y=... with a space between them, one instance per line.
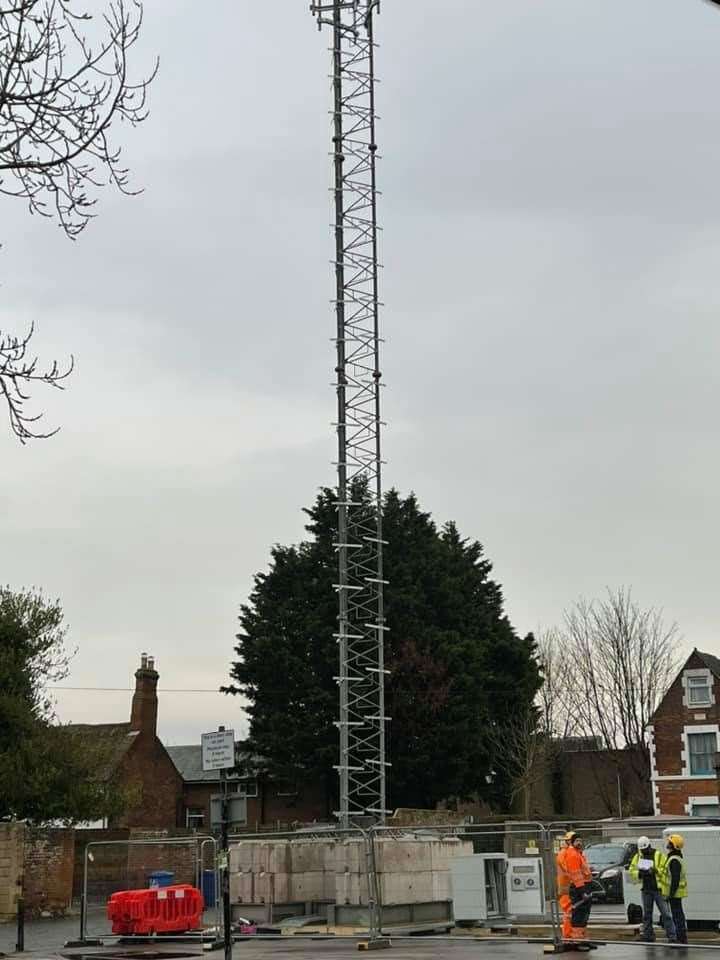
x=218 y=750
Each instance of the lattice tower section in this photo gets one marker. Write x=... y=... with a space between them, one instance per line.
x=361 y=618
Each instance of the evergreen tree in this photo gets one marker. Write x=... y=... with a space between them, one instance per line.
x=456 y=663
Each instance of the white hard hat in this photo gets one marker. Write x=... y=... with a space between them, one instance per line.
x=643 y=843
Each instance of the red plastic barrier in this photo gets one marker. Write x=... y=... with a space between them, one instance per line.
x=175 y=909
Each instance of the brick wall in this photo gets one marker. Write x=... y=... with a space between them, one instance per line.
x=107 y=871
x=48 y=870
x=180 y=859
x=590 y=784
x=127 y=866
x=673 y=794
x=307 y=805
x=156 y=786
x=11 y=868
x=270 y=808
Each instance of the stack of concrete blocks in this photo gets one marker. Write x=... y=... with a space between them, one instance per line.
x=281 y=871
x=312 y=865
x=409 y=870
x=260 y=871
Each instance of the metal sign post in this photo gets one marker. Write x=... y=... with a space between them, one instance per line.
x=218 y=753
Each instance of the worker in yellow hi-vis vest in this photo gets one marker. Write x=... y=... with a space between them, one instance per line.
x=677 y=879
x=648 y=868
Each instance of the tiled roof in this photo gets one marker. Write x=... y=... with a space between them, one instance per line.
x=711 y=662
x=188 y=760
x=110 y=742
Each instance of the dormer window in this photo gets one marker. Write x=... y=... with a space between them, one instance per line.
x=699 y=691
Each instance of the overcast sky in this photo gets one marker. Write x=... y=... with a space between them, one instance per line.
x=551 y=214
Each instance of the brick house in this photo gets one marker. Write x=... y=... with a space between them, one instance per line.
x=684 y=740
x=167 y=785
x=134 y=757
x=268 y=802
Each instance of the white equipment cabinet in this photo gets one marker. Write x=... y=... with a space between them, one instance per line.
x=702 y=862
x=526 y=896
x=479 y=887
x=487 y=887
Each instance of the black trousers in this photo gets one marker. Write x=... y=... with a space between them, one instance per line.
x=580 y=906
x=678 y=915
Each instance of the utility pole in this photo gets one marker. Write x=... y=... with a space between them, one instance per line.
x=361 y=616
x=225 y=847
x=218 y=754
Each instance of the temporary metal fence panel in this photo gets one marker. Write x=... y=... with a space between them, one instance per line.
x=418 y=860
x=112 y=866
x=276 y=878
x=525 y=843
x=356 y=878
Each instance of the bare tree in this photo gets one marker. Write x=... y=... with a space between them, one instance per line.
x=551 y=701
x=523 y=751
x=619 y=662
x=63 y=82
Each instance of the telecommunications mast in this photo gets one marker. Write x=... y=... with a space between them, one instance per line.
x=361 y=619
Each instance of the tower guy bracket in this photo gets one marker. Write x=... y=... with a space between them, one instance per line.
x=361 y=617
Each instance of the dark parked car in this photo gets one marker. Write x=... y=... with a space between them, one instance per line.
x=607 y=862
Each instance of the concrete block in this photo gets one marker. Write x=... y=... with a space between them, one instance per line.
x=403 y=855
x=278 y=856
x=239 y=858
x=406 y=887
x=307 y=886
x=443 y=851
x=271 y=856
x=271 y=887
x=311 y=856
x=242 y=887
x=441 y=885
x=351 y=888
x=350 y=856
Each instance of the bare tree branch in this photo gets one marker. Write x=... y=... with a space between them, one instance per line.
x=58 y=100
x=18 y=369
x=63 y=83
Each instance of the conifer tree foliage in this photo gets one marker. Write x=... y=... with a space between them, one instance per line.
x=457 y=666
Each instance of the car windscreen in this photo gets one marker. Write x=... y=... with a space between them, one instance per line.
x=604 y=855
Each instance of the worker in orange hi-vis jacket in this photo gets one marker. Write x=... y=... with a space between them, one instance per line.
x=574 y=888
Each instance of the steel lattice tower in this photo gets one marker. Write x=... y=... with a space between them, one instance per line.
x=361 y=619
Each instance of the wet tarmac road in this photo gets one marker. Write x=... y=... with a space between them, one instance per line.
x=428 y=949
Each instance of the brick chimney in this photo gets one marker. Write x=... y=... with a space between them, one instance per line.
x=145 y=702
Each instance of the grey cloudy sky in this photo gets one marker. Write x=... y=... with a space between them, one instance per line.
x=552 y=233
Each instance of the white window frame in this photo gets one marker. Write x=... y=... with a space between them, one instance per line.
x=188 y=815
x=706 y=675
x=685 y=755
x=244 y=788
x=699 y=802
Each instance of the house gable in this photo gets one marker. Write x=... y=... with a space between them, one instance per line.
x=684 y=736
x=156 y=786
